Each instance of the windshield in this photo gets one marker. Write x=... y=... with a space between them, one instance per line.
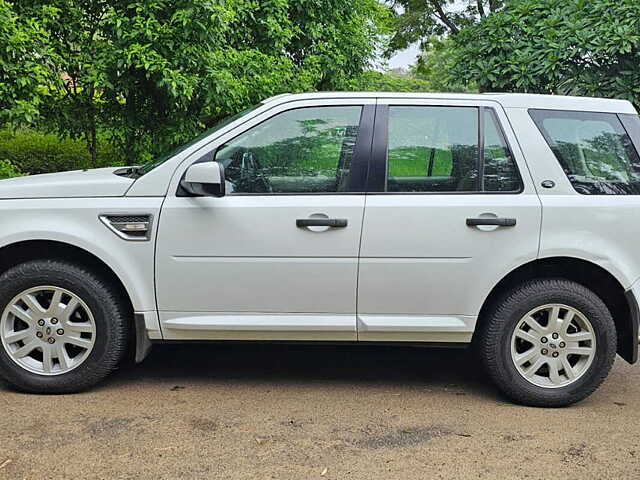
x=146 y=168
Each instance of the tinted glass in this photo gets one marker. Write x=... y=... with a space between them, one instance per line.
x=307 y=150
x=432 y=149
x=594 y=150
x=632 y=126
x=222 y=123
x=500 y=173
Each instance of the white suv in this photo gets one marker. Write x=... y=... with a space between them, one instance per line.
x=503 y=220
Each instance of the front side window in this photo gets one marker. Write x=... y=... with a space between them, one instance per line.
x=438 y=149
x=306 y=150
x=594 y=150
x=218 y=126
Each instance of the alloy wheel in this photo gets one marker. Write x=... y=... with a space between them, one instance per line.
x=47 y=330
x=553 y=345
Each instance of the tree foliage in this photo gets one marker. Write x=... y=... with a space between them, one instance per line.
x=580 y=47
x=22 y=70
x=424 y=20
x=435 y=62
x=390 y=82
x=9 y=170
x=153 y=73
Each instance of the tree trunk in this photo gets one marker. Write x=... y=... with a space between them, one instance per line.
x=93 y=145
x=91 y=133
x=440 y=13
x=481 y=8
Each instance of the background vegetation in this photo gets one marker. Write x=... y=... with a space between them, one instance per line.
x=87 y=83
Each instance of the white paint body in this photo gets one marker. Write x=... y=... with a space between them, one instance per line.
x=406 y=268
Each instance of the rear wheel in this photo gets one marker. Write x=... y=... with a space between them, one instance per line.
x=62 y=327
x=548 y=343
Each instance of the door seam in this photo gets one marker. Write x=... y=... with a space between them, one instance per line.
x=364 y=212
x=155 y=265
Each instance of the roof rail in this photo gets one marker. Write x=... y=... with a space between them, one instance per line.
x=275 y=97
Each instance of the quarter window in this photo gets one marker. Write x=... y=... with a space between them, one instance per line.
x=593 y=149
x=500 y=173
x=437 y=149
x=306 y=150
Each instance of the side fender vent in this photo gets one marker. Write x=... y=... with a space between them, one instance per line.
x=130 y=227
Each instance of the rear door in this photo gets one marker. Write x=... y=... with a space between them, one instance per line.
x=252 y=265
x=451 y=209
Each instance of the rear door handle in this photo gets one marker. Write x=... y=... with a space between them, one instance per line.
x=321 y=222
x=500 y=222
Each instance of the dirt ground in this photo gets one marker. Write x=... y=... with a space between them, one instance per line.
x=316 y=412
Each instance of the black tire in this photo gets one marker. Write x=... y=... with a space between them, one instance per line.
x=493 y=341
x=110 y=315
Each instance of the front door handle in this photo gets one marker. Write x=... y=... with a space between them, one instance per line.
x=321 y=222
x=499 y=222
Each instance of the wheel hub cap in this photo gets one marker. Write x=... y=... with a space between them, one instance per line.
x=47 y=330
x=553 y=345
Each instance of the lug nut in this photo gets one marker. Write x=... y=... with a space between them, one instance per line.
x=562 y=344
x=41 y=322
x=544 y=351
x=60 y=331
x=544 y=339
x=52 y=340
x=39 y=334
x=554 y=335
x=554 y=354
x=54 y=321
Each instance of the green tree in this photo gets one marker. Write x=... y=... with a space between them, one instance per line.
x=23 y=52
x=153 y=73
x=74 y=80
x=389 y=82
x=435 y=62
x=579 y=47
x=424 y=20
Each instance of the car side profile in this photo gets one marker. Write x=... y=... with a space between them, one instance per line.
x=504 y=221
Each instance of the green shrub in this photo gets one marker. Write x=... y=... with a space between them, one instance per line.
x=34 y=152
x=8 y=170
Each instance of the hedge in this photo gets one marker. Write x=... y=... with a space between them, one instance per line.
x=33 y=152
x=8 y=169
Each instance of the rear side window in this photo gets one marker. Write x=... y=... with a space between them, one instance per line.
x=442 y=149
x=432 y=149
x=594 y=150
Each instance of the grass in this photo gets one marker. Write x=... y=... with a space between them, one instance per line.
x=413 y=162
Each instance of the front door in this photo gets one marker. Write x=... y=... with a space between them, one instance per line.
x=451 y=209
x=254 y=264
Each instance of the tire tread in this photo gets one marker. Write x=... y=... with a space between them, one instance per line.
x=499 y=317
x=94 y=369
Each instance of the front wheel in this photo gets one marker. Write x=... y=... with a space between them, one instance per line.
x=548 y=343
x=62 y=327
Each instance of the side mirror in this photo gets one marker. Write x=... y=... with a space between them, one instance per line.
x=205 y=179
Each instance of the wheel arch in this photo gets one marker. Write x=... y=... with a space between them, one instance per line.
x=23 y=251
x=623 y=306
